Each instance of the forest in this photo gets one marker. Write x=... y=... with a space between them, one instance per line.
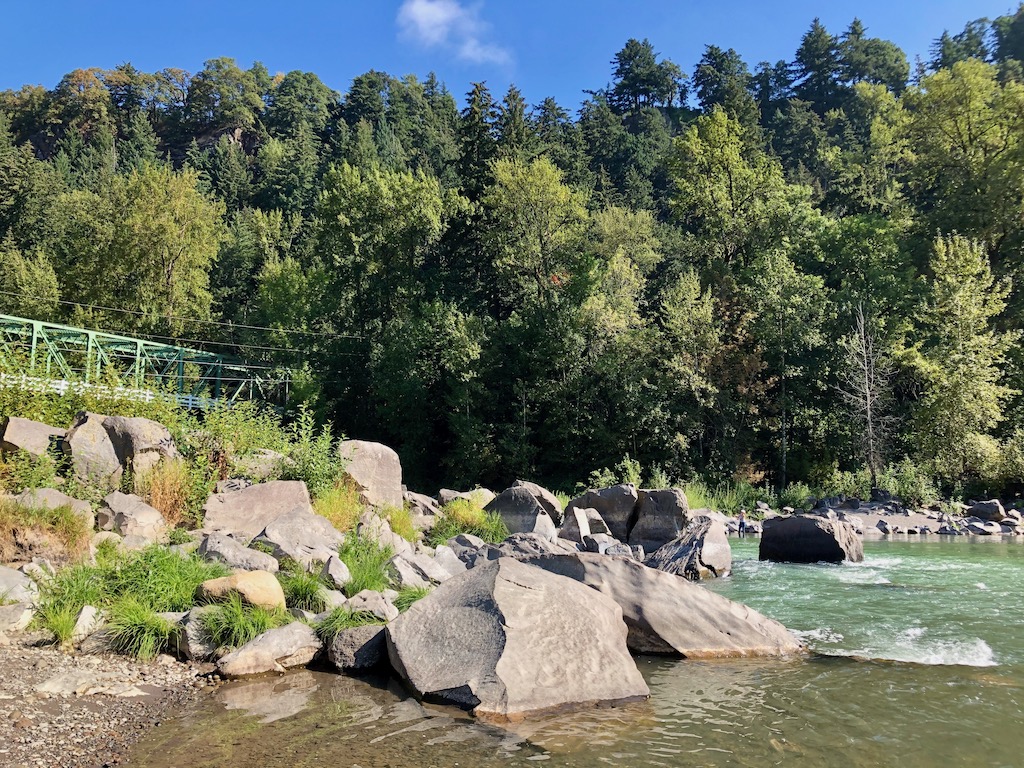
x=802 y=271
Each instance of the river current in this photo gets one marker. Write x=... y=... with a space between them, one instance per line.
x=919 y=662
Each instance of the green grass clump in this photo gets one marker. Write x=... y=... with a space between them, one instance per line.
x=367 y=563
x=136 y=630
x=343 y=618
x=340 y=505
x=68 y=528
x=178 y=536
x=463 y=516
x=20 y=470
x=232 y=624
x=409 y=595
x=63 y=596
x=302 y=589
x=400 y=520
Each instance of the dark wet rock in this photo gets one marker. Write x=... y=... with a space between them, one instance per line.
x=805 y=539
x=700 y=552
x=616 y=506
x=661 y=517
x=358 y=648
x=507 y=639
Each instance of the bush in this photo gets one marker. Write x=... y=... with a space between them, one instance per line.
x=136 y=629
x=314 y=455
x=409 y=595
x=166 y=488
x=340 y=505
x=909 y=483
x=342 y=618
x=367 y=564
x=626 y=471
x=302 y=589
x=20 y=470
x=796 y=495
x=232 y=624
x=463 y=516
x=242 y=428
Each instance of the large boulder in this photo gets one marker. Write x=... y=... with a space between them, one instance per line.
x=479 y=496
x=244 y=514
x=545 y=498
x=615 y=505
x=93 y=458
x=989 y=511
x=376 y=472
x=16 y=587
x=139 y=443
x=668 y=615
x=293 y=645
x=522 y=512
x=258 y=588
x=700 y=552
x=222 y=548
x=131 y=516
x=50 y=498
x=303 y=536
x=358 y=648
x=32 y=437
x=375 y=528
x=506 y=639
x=809 y=539
x=661 y=517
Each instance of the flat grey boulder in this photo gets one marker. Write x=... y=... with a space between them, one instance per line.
x=700 y=552
x=139 y=443
x=335 y=572
x=416 y=570
x=358 y=648
x=377 y=603
x=445 y=557
x=507 y=639
x=479 y=496
x=244 y=514
x=376 y=472
x=545 y=498
x=667 y=614
x=15 y=616
x=222 y=548
x=809 y=539
x=616 y=506
x=32 y=437
x=661 y=517
x=16 y=587
x=50 y=498
x=131 y=516
x=93 y=458
x=293 y=645
x=375 y=528
x=522 y=512
x=303 y=536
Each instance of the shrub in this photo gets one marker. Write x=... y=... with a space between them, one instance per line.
x=909 y=483
x=20 y=470
x=340 y=505
x=463 y=516
x=166 y=488
x=136 y=629
x=314 y=455
x=302 y=589
x=343 y=618
x=242 y=428
x=796 y=495
x=367 y=564
x=409 y=595
x=232 y=624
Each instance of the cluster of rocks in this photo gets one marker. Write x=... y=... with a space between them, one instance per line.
x=546 y=619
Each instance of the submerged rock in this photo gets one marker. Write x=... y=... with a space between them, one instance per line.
x=507 y=639
x=293 y=645
x=808 y=539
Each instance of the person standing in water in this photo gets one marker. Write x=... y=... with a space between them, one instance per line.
x=743 y=523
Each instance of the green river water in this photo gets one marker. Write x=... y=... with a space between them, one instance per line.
x=920 y=662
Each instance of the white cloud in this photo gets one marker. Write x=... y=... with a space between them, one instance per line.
x=450 y=25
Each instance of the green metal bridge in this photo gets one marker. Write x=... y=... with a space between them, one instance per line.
x=39 y=355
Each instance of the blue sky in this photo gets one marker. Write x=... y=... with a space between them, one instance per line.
x=547 y=47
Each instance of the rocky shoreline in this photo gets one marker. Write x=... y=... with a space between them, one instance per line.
x=84 y=711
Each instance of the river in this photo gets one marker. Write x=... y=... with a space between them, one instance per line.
x=920 y=662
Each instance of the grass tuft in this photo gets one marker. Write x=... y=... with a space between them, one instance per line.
x=409 y=595
x=463 y=516
x=367 y=563
x=341 y=506
x=342 y=618
x=62 y=523
x=136 y=630
x=232 y=624
x=400 y=520
x=302 y=589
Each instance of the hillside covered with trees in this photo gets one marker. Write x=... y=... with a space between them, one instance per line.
x=769 y=273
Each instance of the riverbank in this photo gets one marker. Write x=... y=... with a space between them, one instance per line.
x=79 y=711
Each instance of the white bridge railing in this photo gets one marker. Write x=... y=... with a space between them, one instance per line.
x=63 y=387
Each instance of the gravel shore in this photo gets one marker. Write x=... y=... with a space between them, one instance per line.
x=78 y=711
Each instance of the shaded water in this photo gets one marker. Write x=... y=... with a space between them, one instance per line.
x=939 y=624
